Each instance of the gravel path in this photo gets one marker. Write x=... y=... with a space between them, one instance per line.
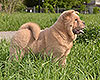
x=7 y=35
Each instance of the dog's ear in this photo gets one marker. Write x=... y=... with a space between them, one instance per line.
x=67 y=13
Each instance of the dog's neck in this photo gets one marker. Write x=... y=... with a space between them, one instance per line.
x=59 y=25
x=59 y=28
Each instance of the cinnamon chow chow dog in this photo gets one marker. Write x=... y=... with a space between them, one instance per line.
x=58 y=39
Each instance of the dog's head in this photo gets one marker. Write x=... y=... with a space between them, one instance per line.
x=72 y=22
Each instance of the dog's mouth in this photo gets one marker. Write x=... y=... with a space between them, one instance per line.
x=78 y=31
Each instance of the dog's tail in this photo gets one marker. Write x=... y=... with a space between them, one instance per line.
x=33 y=27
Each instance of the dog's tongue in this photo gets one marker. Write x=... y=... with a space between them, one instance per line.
x=81 y=31
x=77 y=31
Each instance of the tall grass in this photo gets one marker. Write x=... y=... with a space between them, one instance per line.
x=14 y=21
x=83 y=63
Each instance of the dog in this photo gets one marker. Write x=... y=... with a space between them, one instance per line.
x=58 y=39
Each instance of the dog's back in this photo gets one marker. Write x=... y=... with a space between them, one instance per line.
x=27 y=33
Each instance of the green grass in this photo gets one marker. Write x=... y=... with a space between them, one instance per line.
x=83 y=63
x=14 y=21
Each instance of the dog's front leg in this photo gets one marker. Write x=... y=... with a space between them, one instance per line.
x=63 y=58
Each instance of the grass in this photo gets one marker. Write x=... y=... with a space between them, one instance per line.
x=10 y=22
x=83 y=63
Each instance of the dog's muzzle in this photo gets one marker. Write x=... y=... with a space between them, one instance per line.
x=75 y=31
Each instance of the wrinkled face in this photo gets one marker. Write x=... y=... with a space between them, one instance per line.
x=73 y=21
x=78 y=24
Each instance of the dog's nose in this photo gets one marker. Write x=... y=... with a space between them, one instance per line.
x=84 y=23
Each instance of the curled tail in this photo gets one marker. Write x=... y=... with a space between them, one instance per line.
x=33 y=27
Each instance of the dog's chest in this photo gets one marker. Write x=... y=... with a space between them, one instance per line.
x=57 y=43
x=61 y=40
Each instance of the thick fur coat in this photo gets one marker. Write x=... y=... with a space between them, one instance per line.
x=58 y=39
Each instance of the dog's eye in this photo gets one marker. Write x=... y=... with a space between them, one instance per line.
x=75 y=19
